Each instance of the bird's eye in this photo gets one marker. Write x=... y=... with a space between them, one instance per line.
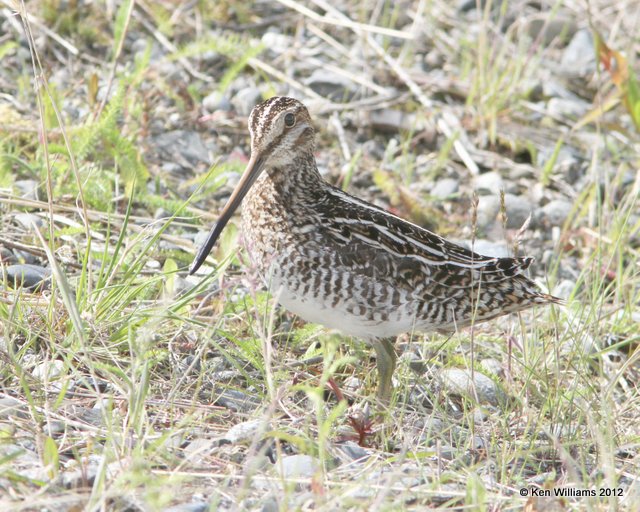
x=289 y=120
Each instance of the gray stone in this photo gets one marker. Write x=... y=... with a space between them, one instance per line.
x=12 y=408
x=489 y=248
x=48 y=370
x=6 y=256
x=391 y=121
x=492 y=367
x=445 y=188
x=236 y=400
x=579 y=58
x=469 y=5
x=564 y=288
x=488 y=209
x=331 y=85
x=489 y=183
x=28 y=188
x=270 y=504
x=298 y=466
x=94 y=417
x=54 y=427
x=28 y=220
x=25 y=257
x=519 y=208
x=567 y=162
x=276 y=43
x=353 y=451
x=216 y=101
x=459 y=382
x=200 y=506
x=373 y=148
x=246 y=431
x=245 y=99
x=446 y=452
x=182 y=147
x=554 y=89
x=548 y=30
x=573 y=109
x=27 y=275
x=555 y=212
x=352 y=384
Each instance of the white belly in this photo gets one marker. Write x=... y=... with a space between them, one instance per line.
x=339 y=317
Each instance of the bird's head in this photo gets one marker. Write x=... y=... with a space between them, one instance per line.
x=281 y=131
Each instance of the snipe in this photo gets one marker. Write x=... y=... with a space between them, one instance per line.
x=342 y=262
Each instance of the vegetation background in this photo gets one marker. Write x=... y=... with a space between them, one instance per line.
x=126 y=385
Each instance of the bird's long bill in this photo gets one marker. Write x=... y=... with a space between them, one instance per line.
x=251 y=173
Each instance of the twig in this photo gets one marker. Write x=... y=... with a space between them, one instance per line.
x=343 y=21
x=258 y=64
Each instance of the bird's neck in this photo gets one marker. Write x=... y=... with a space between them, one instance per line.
x=294 y=181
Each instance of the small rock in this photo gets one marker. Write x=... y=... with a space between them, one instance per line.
x=445 y=188
x=564 y=288
x=331 y=85
x=270 y=504
x=489 y=183
x=555 y=212
x=28 y=188
x=277 y=43
x=479 y=443
x=94 y=417
x=236 y=400
x=246 y=431
x=373 y=148
x=10 y=408
x=519 y=208
x=27 y=275
x=189 y=507
x=217 y=101
x=245 y=99
x=353 y=451
x=28 y=220
x=469 y=5
x=579 y=346
x=49 y=370
x=554 y=89
x=298 y=466
x=567 y=162
x=390 y=121
x=573 y=109
x=25 y=257
x=459 y=382
x=6 y=256
x=492 y=367
x=489 y=248
x=488 y=210
x=352 y=384
x=182 y=147
x=446 y=452
x=479 y=415
x=548 y=30
x=579 y=58
x=54 y=427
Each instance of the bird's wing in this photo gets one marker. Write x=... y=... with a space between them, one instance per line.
x=370 y=239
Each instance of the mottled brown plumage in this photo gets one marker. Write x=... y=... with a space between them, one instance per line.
x=339 y=261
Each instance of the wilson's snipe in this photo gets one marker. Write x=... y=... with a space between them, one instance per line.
x=337 y=260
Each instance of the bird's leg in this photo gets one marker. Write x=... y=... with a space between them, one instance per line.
x=386 y=363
